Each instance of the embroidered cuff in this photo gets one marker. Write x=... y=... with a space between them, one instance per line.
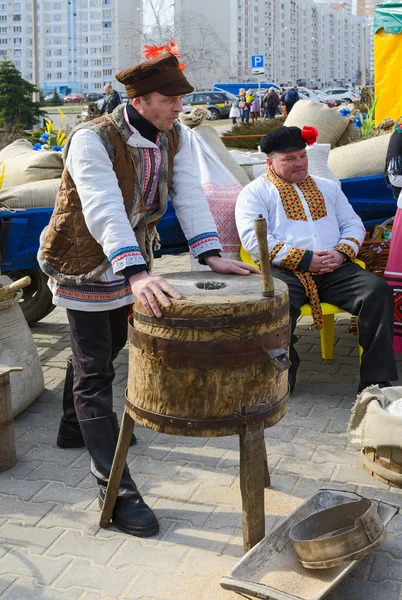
x=292 y=259
x=126 y=257
x=347 y=250
x=204 y=242
x=275 y=250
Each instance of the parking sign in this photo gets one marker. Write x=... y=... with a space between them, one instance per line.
x=257 y=64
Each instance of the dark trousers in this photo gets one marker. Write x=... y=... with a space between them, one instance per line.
x=360 y=293
x=245 y=114
x=289 y=106
x=270 y=112
x=96 y=340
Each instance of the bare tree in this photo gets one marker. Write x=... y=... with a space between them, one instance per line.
x=201 y=49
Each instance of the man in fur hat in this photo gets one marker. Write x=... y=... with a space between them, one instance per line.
x=97 y=252
x=313 y=237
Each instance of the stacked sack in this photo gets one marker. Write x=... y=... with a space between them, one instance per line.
x=360 y=159
x=31 y=178
x=328 y=122
x=357 y=159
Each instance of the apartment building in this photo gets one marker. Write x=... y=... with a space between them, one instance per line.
x=365 y=8
x=16 y=35
x=81 y=44
x=303 y=41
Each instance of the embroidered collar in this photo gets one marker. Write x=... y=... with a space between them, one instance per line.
x=291 y=202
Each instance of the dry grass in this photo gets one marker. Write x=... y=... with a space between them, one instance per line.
x=262 y=127
x=8 y=137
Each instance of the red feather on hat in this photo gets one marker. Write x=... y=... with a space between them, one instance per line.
x=309 y=135
x=151 y=52
x=155 y=51
x=173 y=48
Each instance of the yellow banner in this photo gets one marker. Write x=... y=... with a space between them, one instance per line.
x=387 y=75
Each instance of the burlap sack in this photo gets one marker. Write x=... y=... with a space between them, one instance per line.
x=328 y=122
x=360 y=159
x=24 y=165
x=211 y=136
x=39 y=194
x=18 y=349
x=371 y=425
x=318 y=161
x=351 y=134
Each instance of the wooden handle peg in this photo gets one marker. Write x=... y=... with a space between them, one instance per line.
x=8 y=291
x=267 y=282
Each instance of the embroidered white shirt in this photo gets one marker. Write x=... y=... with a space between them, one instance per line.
x=106 y=218
x=261 y=197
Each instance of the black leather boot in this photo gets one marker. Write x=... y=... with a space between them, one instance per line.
x=130 y=513
x=70 y=435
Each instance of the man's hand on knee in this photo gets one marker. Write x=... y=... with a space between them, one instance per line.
x=326 y=261
x=333 y=260
x=150 y=288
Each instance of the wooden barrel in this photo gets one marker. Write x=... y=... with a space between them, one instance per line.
x=217 y=359
x=384 y=464
x=8 y=455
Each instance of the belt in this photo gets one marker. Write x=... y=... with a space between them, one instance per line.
x=337 y=535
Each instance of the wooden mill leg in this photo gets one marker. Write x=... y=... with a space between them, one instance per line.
x=252 y=482
x=266 y=468
x=123 y=444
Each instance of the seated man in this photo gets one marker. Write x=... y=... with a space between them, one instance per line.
x=313 y=237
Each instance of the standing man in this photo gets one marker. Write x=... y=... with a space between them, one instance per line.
x=97 y=250
x=272 y=102
x=290 y=97
x=111 y=101
x=313 y=237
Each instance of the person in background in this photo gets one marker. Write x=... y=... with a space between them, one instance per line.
x=242 y=103
x=234 y=112
x=247 y=105
x=313 y=237
x=112 y=99
x=255 y=109
x=272 y=101
x=393 y=270
x=264 y=104
x=290 y=97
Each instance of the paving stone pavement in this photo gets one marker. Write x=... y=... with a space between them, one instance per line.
x=51 y=546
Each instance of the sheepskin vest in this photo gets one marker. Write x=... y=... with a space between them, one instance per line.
x=68 y=252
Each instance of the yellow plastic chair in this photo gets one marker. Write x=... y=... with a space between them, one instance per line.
x=328 y=312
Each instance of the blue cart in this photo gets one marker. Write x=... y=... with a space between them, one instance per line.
x=20 y=231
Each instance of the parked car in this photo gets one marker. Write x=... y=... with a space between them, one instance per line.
x=75 y=98
x=342 y=94
x=218 y=103
x=315 y=95
x=94 y=96
x=303 y=95
x=50 y=97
